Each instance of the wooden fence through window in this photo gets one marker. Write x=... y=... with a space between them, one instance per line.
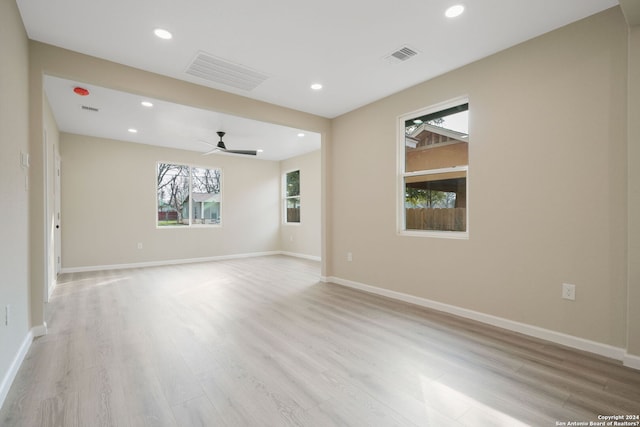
x=441 y=219
x=168 y=216
x=293 y=214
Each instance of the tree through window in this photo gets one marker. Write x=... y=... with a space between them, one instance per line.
x=187 y=195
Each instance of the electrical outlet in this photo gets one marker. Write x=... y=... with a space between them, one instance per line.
x=569 y=291
x=349 y=256
x=139 y=245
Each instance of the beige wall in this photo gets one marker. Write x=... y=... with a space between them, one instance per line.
x=14 y=203
x=109 y=205
x=304 y=238
x=634 y=192
x=538 y=214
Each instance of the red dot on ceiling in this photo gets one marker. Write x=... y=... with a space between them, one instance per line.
x=81 y=91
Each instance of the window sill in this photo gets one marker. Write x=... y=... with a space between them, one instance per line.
x=457 y=235
x=187 y=227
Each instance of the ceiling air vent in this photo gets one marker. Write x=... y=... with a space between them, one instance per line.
x=401 y=55
x=218 y=70
x=85 y=107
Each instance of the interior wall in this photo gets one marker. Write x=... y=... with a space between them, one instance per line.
x=14 y=234
x=634 y=194
x=303 y=238
x=109 y=205
x=547 y=187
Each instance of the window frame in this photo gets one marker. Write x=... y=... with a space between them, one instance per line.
x=285 y=198
x=190 y=224
x=402 y=174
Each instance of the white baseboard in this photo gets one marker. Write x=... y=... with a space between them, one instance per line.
x=631 y=361
x=40 y=330
x=166 y=262
x=523 y=328
x=5 y=385
x=304 y=256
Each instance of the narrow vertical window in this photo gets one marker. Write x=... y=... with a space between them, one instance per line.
x=435 y=161
x=292 y=197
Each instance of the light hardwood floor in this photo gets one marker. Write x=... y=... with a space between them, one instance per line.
x=260 y=342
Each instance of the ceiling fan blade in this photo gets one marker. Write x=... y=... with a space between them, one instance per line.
x=215 y=150
x=206 y=142
x=222 y=148
x=246 y=152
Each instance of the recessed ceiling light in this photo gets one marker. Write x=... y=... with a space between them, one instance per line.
x=162 y=33
x=132 y=130
x=301 y=134
x=146 y=104
x=454 y=11
x=316 y=86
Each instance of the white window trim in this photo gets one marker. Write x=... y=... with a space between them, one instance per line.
x=401 y=175
x=190 y=225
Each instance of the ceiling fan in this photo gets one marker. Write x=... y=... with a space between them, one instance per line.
x=221 y=147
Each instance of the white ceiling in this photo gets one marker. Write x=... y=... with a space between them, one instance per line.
x=167 y=124
x=341 y=44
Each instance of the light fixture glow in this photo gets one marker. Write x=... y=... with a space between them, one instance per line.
x=260 y=150
x=162 y=33
x=417 y=121
x=301 y=134
x=316 y=86
x=454 y=11
x=132 y=130
x=147 y=104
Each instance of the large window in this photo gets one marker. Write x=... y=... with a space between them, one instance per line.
x=187 y=195
x=434 y=161
x=292 y=197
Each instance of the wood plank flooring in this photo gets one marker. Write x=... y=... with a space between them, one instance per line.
x=260 y=342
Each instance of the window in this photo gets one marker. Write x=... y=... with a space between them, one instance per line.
x=434 y=160
x=187 y=195
x=292 y=197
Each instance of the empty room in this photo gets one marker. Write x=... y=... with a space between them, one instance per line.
x=334 y=214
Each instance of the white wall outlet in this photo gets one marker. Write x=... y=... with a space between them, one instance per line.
x=349 y=256
x=291 y=238
x=139 y=245
x=569 y=291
